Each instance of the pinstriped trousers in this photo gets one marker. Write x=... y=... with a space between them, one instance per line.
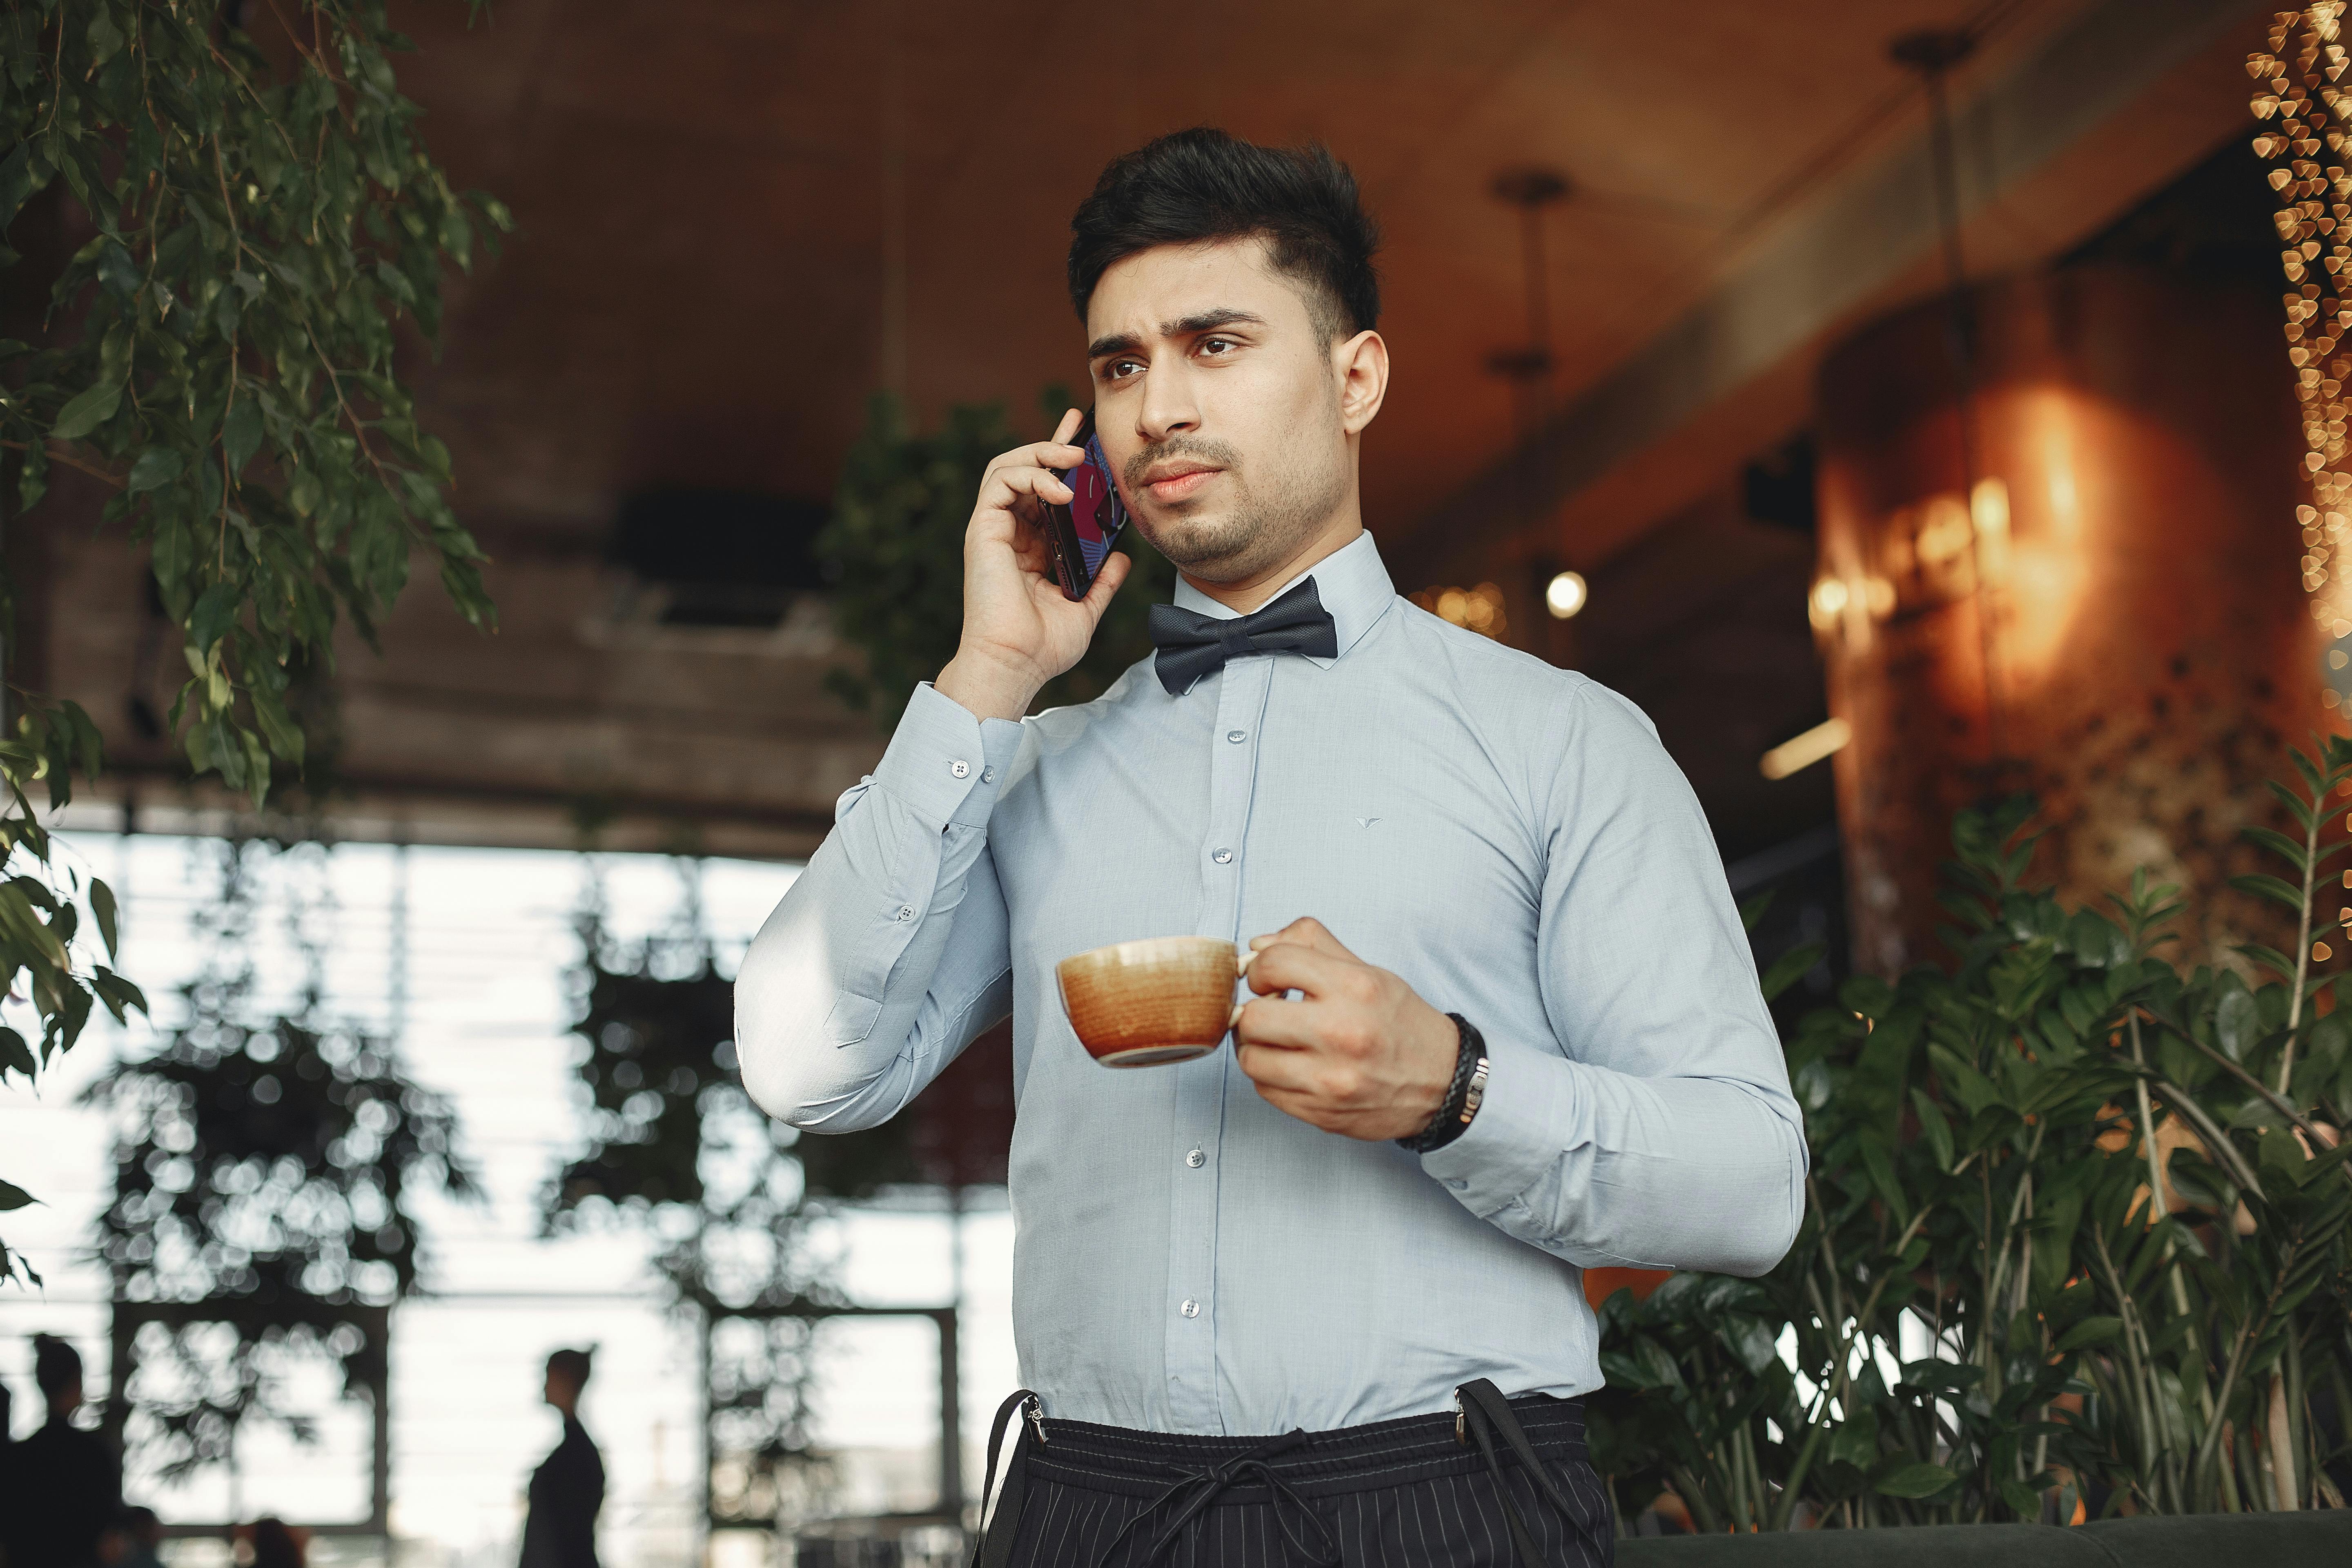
x=1395 y=1494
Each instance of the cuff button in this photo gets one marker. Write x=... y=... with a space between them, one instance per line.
x=959 y=768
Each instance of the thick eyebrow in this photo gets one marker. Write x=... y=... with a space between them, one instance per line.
x=1190 y=326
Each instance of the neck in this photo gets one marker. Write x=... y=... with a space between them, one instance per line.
x=1246 y=594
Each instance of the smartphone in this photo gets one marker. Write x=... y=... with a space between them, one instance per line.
x=1079 y=536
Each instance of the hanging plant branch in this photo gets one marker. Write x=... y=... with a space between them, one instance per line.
x=258 y=227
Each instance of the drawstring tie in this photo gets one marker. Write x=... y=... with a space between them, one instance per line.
x=1207 y=1485
x=1482 y=1411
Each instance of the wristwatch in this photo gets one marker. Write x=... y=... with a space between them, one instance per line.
x=1463 y=1096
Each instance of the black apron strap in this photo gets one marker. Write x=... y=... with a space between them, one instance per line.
x=994 y=1547
x=1485 y=1413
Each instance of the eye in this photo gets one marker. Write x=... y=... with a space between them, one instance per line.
x=1209 y=344
x=1115 y=370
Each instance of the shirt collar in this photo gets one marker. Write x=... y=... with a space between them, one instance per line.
x=1352 y=583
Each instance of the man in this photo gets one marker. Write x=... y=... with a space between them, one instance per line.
x=137 y=1539
x=567 y=1490
x=59 y=1488
x=1506 y=1026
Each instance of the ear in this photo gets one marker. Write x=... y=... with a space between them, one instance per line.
x=1360 y=364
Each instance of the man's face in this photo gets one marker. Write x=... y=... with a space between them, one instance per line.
x=1218 y=401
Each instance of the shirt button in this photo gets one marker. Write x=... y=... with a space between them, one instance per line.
x=1196 y=1159
x=1191 y=1308
x=1222 y=856
x=960 y=768
x=1238 y=736
x=906 y=911
x=988 y=776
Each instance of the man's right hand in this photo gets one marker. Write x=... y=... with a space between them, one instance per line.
x=1019 y=632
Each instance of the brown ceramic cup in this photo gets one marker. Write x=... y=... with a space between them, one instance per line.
x=1164 y=999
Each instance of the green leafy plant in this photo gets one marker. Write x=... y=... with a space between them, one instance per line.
x=896 y=546
x=2074 y=1233
x=252 y=231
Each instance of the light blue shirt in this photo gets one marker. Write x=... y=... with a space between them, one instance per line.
x=1508 y=838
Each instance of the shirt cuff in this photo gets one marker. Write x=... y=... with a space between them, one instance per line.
x=944 y=762
x=1520 y=1131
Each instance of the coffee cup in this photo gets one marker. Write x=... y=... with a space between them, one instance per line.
x=1162 y=999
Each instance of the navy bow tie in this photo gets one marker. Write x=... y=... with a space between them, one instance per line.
x=1192 y=645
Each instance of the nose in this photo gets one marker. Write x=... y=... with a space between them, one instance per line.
x=1169 y=407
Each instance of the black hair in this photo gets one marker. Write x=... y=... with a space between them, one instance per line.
x=275 y=1545
x=57 y=1365
x=571 y=1364
x=1200 y=185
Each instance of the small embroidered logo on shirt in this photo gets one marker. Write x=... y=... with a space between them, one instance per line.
x=1366 y=821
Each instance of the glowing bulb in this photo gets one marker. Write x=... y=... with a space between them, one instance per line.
x=1795 y=755
x=1565 y=595
x=1830 y=596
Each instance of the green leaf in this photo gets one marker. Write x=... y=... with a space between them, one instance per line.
x=18 y=180
x=2088 y=1332
x=2023 y=1500
x=1855 y=1441
x=2237 y=1022
x=119 y=994
x=2278 y=843
x=241 y=432
x=1790 y=967
x=1917 y=1480
x=2269 y=957
x=1868 y=995
x=284 y=736
x=14 y=1197
x=85 y=413
x=2270 y=888
x=1881 y=1165
x=156 y=466
x=14 y=1054
x=102 y=905
x=214 y=614
x=1935 y=1128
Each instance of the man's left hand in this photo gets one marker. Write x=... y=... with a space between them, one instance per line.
x=1358 y=1054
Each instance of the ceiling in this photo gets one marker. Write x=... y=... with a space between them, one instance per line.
x=738 y=220
x=703 y=285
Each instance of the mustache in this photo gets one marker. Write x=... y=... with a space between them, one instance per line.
x=1199 y=448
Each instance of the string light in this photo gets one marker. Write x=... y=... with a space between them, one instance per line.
x=2302 y=111
x=1565 y=595
x=1479 y=609
x=1795 y=755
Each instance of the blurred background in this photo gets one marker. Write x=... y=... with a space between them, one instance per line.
x=1887 y=396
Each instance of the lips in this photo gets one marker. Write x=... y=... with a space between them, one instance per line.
x=1179 y=485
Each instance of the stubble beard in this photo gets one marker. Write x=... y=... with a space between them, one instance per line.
x=1255 y=531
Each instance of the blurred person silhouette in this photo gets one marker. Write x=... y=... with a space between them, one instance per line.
x=568 y=1489
x=274 y=1544
x=135 y=1539
x=61 y=1486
